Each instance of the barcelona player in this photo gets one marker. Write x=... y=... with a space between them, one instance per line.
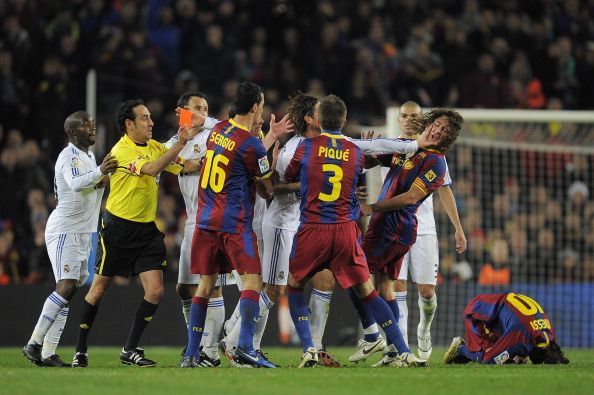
x=505 y=328
x=224 y=239
x=328 y=167
x=393 y=226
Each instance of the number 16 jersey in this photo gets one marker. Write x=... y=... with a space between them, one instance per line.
x=233 y=160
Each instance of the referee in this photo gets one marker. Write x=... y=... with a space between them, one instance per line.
x=130 y=243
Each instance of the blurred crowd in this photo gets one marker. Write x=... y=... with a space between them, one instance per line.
x=528 y=217
x=490 y=53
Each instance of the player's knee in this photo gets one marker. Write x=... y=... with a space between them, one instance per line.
x=324 y=281
x=185 y=291
x=155 y=293
x=426 y=292
x=66 y=288
x=274 y=292
x=400 y=285
x=217 y=292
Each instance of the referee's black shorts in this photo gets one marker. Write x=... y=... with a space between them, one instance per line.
x=128 y=248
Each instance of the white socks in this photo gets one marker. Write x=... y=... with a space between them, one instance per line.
x=427 y=309
x=403 y=318
x=319 y=307
x=186 y=304
x=52 y=306
x=215 y=315
x=52 y=337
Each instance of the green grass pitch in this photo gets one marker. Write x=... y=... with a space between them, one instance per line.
x=107 y=376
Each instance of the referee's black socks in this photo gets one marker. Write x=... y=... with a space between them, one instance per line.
x=144 y=315
x=89 y=312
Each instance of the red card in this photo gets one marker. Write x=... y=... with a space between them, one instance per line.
x=185 y=118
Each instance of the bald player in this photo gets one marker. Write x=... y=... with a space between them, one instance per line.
x=78 y=185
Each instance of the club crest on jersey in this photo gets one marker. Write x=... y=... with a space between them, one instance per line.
x=264 y=165
x=408 y=165
x=501 y=358
x=66 y=268
x=196 y=149
x=281 y=275
x=430 y=175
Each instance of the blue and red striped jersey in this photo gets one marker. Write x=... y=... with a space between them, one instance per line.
x=233 y=161
x=511 y=324
x=328 y=167
x=425 y=170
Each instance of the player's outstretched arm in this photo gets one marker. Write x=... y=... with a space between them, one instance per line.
x=155 y=167
x=447 y=199
x=386 y=146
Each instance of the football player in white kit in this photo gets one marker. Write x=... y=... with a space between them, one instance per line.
x=188 y=185
x=78 y=185
x=422 y=261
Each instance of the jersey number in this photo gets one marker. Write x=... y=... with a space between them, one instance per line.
x=524 y=304
x=334 y=179
x=214 y=175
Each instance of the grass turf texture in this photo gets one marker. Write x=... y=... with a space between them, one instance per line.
x=107 y=376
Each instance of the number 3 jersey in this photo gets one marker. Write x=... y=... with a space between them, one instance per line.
x=504 y=325
x=233 y=161
x=328 y=168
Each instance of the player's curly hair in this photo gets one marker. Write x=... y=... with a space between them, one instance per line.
x=125 y=111
x=550 y=355
x=455 y=121
x=301 y=105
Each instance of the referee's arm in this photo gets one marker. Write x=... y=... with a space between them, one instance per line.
x=155 y=167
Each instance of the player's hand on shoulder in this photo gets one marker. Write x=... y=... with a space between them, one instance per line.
x=284 y=126
x=109 y=164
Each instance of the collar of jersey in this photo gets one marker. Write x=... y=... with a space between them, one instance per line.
x=238 y=125
x=335 y=134
x=129 y=141
x=434 y=151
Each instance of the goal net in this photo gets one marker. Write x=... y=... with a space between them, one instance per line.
x=524 y=187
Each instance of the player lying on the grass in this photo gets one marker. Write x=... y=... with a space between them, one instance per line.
x=79 y=185
x=328 y=167
x=505 y=328
x=393 y=226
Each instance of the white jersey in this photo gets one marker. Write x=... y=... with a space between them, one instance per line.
x=78 y=202
x=188 y=183
x=283 y=212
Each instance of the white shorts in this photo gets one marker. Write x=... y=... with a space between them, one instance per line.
x=277 y=250
x=422 y=261
x=184 y=274
x=69 y=254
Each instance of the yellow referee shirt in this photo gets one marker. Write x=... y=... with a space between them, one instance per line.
x=133 y=195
